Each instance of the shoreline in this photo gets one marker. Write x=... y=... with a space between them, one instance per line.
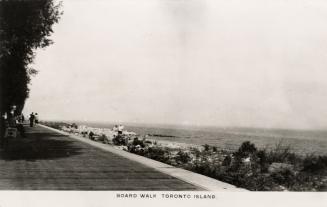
x=196 y=179
x=249 y=167
x=302 y=144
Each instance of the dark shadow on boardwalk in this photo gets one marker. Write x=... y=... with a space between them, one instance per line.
x=47 y=160
x=35 y=147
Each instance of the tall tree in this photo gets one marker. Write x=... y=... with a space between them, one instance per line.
x=25 y=25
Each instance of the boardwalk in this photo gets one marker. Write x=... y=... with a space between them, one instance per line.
x=46 y=160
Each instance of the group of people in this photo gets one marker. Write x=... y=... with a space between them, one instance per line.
x=34 y=119
x=119 y=129
x=10 y=124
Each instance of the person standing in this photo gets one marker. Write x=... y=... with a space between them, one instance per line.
x=120 y=129
x=2 y=131
x=32 y=118
x=36 y=117
x=23 y=118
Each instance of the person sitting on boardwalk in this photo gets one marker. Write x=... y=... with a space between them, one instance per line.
x=20 y=126
x=10 y=129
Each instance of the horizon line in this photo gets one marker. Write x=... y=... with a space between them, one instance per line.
x=186 y=125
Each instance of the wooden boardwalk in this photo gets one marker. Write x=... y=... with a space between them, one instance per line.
x=46 y=160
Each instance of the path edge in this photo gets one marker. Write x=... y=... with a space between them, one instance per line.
x=195 y=179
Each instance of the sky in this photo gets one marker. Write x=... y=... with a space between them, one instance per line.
x=246 y=63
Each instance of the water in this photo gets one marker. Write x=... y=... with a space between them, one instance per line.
x=301 y=141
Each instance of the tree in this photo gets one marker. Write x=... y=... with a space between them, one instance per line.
x=25 y=25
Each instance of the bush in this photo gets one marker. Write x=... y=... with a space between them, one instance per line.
x=136 y=142
x=253 y=182
x=202 y=168
x=196 y=152
x=282 y=153
x=245 y=150
x=73 y=125
x=206 y=147
x=305 y=181
x=214 y=149
x=158 y=153
x=235 y=168
x=119 y=140
x=182 y=157
x=263 y=160
x=227 y=161
x=285 y=178
x=314 y=164
x=136 y=150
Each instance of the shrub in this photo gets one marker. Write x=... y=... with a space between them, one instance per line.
x=182 y=157
x=263 y=160
x=250 y=173
x=227 y=161
x=137 y=150
x=206 y=147
x=158 y=153
x=314 y=164
x=196 y=152
x=305 y=181
x=136 y=141
x=282 y=153
x=201 y=167
x=73 y=125
x=104 y=139
x=254 y=182
x=214 y=149
x=119 y=140
x=245 y=150
x=285 y=177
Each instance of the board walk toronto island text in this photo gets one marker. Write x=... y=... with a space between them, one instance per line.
x=166 y=195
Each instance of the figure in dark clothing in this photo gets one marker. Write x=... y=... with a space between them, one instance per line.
x=20 y=126
x=32 y=118
x=7 y=123
x=21 y=129
x=22 y=118
x=2 y=131
x=91 y=135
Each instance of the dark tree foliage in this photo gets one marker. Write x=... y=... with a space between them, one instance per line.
x=25 y=25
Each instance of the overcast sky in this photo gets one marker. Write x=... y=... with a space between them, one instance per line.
x=256 y=63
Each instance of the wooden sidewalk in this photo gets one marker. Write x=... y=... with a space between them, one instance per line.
x=46 y=160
